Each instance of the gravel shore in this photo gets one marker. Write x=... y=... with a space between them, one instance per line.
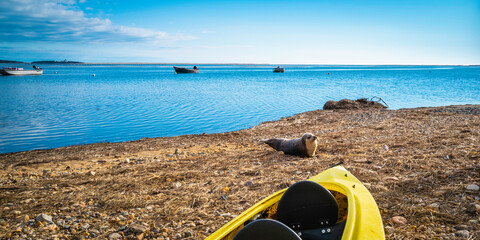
x=421 y=165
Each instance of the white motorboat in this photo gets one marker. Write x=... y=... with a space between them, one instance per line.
x=20 y=71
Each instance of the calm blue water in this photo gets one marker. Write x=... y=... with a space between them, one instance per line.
x=68 y=106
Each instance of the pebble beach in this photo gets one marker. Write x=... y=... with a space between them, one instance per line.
x=422 y=166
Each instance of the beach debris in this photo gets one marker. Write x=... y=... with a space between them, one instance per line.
x=190 y=224
x=439 y=193
x=362 y=160
x=115 y=236
x=461 y=227
x=84 y=226
x=44 y=218
x=398 y=220
x=187 y=234
x=225 y=215
x=389 y=229
x=137 y=228
x=224 y=197
x=433 y=206
x=248 y=183
x=473 y=187
x=463 y=110
x=473 y=208
x=463 y=233
x=361 y=103
x=385 y=147
x=61 y=224
x=393 y=178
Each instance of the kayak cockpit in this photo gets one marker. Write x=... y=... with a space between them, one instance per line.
x=306 y=208
x=357 y=216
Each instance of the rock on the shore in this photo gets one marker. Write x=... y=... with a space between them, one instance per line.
x=473 y=208
x=115 y=236
x=398 y=220
x=473 y=187
x=361 y=103
x=433 y=206
x=389 y=229
x=463 y=233
x=248 y=183
x=137 y=228
x=44 y=218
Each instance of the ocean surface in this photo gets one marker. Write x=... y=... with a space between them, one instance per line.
x=69 y=106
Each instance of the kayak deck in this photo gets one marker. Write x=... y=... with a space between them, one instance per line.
x=356 y=207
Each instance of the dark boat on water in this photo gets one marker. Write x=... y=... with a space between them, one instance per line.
x=186 y=70
x=279 y=69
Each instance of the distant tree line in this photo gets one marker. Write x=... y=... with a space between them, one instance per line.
x=9 y=61
x=37 y=62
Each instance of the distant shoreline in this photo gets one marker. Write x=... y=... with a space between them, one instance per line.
x=271 y=64
x=227 y=64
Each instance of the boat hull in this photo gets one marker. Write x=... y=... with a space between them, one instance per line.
x=279 y=70
x=185 y=70
x=363 y=220
x=21 y=72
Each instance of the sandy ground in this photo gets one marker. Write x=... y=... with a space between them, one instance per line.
x=420 y=164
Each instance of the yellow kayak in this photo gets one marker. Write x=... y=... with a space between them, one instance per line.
x=331 y=205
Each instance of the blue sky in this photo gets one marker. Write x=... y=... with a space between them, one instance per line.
x=276 y=32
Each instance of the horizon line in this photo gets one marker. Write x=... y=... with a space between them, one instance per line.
x=269 y=64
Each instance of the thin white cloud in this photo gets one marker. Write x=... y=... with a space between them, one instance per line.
x=62 y=20
x=228 y=46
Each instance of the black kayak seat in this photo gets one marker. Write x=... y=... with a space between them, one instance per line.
x=309 y=209
x=266 y=229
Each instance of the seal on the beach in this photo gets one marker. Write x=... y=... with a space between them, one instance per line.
x=304 y=146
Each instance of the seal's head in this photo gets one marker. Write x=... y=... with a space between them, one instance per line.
x=308 y=137
x=310 y=142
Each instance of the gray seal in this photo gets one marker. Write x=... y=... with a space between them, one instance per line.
x=304 y=146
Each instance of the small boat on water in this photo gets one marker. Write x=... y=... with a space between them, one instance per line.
x=279 y=69
x=186 y=70
x=331 y=205
x=20 y=71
